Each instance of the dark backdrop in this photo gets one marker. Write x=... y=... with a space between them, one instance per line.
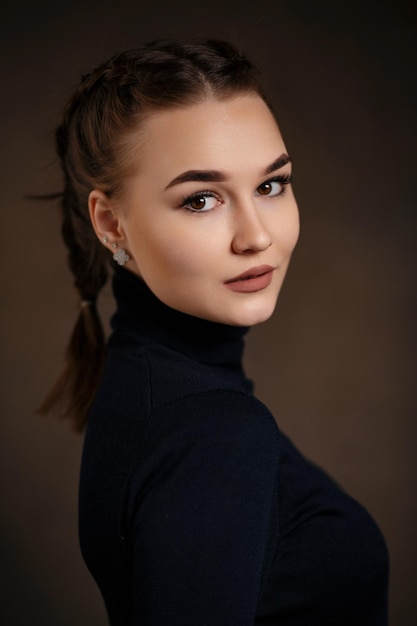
x=336 y=364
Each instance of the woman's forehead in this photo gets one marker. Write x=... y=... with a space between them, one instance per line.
x=214 y=134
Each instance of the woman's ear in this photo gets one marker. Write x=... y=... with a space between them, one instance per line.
x=104 y=218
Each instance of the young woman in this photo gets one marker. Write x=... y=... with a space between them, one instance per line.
x=194 y=507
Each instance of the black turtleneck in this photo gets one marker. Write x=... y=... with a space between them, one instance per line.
x=195 y=509
x=145 y=316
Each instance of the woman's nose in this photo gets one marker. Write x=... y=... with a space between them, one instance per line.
x=250 y=234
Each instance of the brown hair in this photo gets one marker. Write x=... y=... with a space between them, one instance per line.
x=92 y=144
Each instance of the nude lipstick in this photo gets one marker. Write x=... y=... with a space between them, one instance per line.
x=254 y=279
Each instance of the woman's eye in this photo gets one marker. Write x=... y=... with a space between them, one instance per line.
x=270 y=188
x=200 y=203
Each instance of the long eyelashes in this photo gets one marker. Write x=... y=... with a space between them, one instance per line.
x=267 y=186
x=284 y=179
x=199 y=202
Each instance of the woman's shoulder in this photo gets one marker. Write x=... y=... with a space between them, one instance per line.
x=180 y=398
x=222 y=418
x=219 y=441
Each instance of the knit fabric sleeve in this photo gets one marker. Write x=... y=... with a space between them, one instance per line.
x=201 y=512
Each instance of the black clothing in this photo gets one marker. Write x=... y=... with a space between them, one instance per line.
x=195 y=509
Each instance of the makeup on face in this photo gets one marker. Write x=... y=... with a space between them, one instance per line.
x=213 y=176
x=210 y=219
x=254 y=279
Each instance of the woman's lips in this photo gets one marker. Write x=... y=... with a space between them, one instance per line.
x=254 y=279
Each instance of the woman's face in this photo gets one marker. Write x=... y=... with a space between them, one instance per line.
x=209 y=216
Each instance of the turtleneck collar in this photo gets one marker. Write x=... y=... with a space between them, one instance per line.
x=153 y=322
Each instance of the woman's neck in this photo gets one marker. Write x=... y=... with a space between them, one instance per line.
x=139 y=311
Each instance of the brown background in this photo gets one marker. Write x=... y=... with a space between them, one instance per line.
x=336 y=364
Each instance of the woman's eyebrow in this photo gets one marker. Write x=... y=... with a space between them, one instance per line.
x=209 y=176
x=276 y=165
x=214 y=176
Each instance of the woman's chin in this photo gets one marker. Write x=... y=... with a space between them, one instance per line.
x=253 y=314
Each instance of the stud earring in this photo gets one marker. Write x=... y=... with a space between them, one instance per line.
x=104 y=239
x=120 y=256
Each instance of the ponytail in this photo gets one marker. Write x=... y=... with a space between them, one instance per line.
x=84 y=361
x=73 y=392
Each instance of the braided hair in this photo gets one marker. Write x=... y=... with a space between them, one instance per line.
x=93 y=143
